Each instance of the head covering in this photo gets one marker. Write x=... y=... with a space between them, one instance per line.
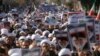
x=50 y=35
x=24 y=27
x=64 y=51
x=53 y=32
x=28 y=36
x=45 y=41
x=35 y=36
x=4 y=31
x=38 y=30
x=22 y=38
x=4 y=20
x=17 y=24
x=45 y=33
x=22 y=32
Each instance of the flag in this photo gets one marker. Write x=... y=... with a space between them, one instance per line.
x=98 y=15
x=92 y=10
x=80 y=6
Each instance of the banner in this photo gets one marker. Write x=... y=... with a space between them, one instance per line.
x=76 y=18
x=48 y=8
x=51 y=20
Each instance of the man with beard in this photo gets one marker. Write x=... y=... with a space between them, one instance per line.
x=62 y=40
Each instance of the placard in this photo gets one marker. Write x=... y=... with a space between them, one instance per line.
x=97 y=27
x=97 y=31
x=76 y=18
x=80 y=32
x=48 y=8
x=91 y=30
x=50 y=20
x=61 y=34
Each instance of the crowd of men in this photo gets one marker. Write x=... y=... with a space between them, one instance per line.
x=49 y=30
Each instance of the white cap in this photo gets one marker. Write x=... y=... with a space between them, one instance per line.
x=45 y=32
x=35 y=37
x=38 y=30
x=54 y=40
x=17 y=24
x=50 y=35
x=24 y=27
x=64 y=51
x=22 y=37
x=28 y=37
x=4 y=31
x=4 y=20
x=21 y=32
x=45 y=41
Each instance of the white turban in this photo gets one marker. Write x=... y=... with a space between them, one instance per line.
x=4 y=31
x=35 y=37
x=64 y=51
x=45 y=32
x=22 y=37
x=45 y=41
x=50 y=35
x=38 y=30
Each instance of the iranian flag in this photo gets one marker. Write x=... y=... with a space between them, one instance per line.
x=92 y=10
x=98 y=15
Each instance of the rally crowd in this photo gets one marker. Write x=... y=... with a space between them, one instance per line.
x=47 y=30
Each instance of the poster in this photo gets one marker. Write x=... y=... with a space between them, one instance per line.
x=79 y=37
x=76 y=18
x=48 y=8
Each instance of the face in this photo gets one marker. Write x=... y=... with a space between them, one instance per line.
x=17 y=43
x=80 y=41
x=52 y=47
x=63 y=42
x=45 y=46
x=20 y=42
x=50 y=38
x=25 y=44
x=82 y=53
x=8 y=40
